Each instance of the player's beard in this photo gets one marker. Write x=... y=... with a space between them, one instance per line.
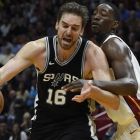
x=95 y=32
x=65 y=47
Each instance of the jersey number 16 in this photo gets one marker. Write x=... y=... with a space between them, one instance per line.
x=59 y=97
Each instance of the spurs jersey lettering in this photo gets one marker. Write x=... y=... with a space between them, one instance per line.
x=129 y=108
x=51 y=99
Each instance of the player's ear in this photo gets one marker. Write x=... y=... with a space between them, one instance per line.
x=56 y=25
x=115 y=25
x=82 y=31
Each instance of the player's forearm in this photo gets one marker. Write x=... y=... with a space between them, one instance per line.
x=5 y=75
x=124 y=86
x=106 y=98
x=1 y=79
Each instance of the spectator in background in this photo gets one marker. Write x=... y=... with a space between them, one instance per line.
x=15 y=47
x=34 y=17
x=28 y=11
x=51 y=31
x=135 y=31
x=1 y=58
x=19 y=109
x=22 y=25
x=11 y=113
x=133 y=20
x=124 y=12
x=121 y=34
x=14 y=30
x=5 y=42
x=27 y=76
x=8 y=55
x=4 y=133
x=40 y=29
x=26 y=124
x=123 y=30
x=137 y=9
x=95 y=4
x=22 y=93
x=12 y=12
x=5 y=27
x=17 y=133
x=6 y=89
x=46 y=19
x=131 y=40
x=136 y=50
x=32 y=94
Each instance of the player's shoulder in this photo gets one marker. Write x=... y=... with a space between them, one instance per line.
x=93 y=48
x=36 y=45
x=40 y=43
x=115 y=47
x=114 y=43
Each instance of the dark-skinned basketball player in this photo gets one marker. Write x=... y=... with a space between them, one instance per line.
x=126 y=70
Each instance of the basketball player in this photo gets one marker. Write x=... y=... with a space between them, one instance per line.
x=126 y=69
x=59 y=60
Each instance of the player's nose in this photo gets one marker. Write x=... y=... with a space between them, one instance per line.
x=68 y=31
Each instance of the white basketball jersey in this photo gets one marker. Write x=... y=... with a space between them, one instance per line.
x=129 y=108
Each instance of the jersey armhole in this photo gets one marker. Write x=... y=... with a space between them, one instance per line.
x=47 y=57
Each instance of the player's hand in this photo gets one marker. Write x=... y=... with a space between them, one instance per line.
x=74 y=86
x=85 y=92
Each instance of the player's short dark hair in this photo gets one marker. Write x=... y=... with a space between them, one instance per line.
x=116 y=11
x=76 y=9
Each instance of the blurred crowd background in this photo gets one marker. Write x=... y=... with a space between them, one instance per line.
x=27 y=20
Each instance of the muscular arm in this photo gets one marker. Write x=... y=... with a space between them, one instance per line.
x=100 y=71
x=119 y=59
x=25 y=57
x=97 y=64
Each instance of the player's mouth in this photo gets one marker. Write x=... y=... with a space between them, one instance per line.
x=95 y=24
x=66 y=40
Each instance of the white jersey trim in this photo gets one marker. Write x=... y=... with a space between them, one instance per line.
x=47 y=56
x=74 y=53
x=83 y=58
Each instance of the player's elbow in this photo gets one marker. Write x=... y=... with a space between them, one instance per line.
x=1 y=82
x=116 y=104
x=116 y=107
x=133 y=87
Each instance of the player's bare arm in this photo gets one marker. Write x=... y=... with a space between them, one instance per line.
x=120 y=61
x=96 y=66
x=31 y=53
x=95 y=53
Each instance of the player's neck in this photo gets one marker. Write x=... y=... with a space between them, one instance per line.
x=63 y=54
x=99 y=39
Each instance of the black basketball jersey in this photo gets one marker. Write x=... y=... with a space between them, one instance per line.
x=51 y=99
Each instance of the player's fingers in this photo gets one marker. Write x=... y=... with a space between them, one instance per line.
x=76 y=89
x=90 y=82
x=72 y=87
x=78 y=99
x=66 y=86
x=69 y=86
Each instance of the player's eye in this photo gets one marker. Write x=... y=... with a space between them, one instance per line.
x=65 y=26
x=103 y=13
